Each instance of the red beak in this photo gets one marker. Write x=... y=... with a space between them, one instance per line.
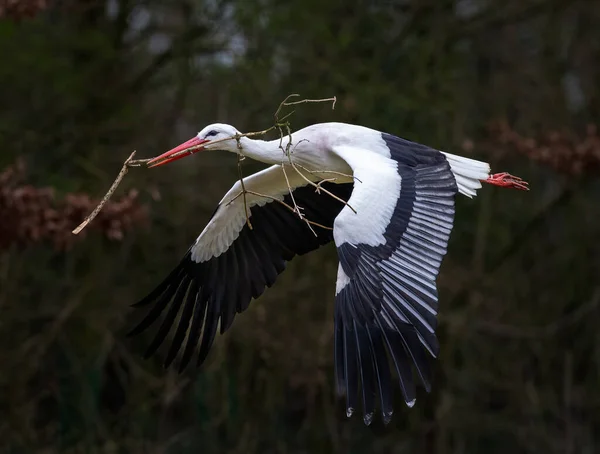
x=185 y=149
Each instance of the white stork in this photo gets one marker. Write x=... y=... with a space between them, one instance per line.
x=390 y=237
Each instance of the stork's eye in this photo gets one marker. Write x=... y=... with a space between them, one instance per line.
x=211 y=133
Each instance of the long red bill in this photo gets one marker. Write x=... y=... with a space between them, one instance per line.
x=185 y=149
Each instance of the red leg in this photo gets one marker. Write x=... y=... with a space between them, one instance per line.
x=506 y=180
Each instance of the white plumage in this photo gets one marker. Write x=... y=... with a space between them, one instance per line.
x=468 y=173
x=374 y=197
x=389 y=212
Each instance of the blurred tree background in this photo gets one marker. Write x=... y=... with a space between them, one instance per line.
x=85 y=82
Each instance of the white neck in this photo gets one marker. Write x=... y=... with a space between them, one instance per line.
x=262 y=150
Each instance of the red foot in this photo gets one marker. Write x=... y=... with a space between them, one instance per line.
x=506 y=180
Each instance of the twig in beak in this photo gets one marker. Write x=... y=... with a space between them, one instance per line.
x=130 y=162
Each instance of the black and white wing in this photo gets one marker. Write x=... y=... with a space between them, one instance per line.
x=230 y=264
x=390 y=252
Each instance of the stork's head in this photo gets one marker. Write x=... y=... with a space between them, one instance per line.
x=217 y=136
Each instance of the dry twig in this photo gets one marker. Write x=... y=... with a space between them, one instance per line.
x=275 y=199
x=129 y=162
x=240 y=158
x=281 y=124
x=288 y=153
x=302 y=101
x=332 y=172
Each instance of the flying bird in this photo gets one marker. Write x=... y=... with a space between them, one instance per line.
x=388 y=205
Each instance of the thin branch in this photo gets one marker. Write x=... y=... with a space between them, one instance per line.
x=280 y=125
x=332 y=172
x=286 y=116
x=312 y=183
x=326 y=180
x=250 y=134
x=129 y=162
x=315 y=185
x=297 y=209
x=240 y=158
x=275 y=199
x=287 y=148
x=281 y=105
x=302 y=101
x=286 y=151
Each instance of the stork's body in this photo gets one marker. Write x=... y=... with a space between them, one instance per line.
x=389 y=212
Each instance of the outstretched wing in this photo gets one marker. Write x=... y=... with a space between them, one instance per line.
x=230 y=264
x=390 y=252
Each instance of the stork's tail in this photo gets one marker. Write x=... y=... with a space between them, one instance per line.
x=470 y=173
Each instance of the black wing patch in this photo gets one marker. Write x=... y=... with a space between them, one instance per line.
x=389 y=305
x=214 y=291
